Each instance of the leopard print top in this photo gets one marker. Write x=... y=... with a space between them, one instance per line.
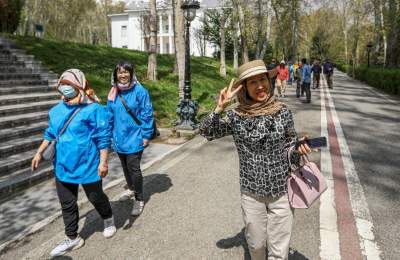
x=263 y=143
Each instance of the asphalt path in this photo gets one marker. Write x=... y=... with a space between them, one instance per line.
x=192 y=196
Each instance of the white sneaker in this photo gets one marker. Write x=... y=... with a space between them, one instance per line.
x=137 y=208
x=67 y=245
x=109 y=228
x=126 y=195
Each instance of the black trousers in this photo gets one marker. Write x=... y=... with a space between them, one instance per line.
x=133 y=173
x=68 y=196
x=306 y=88
x=328 y=77
x=316 y=80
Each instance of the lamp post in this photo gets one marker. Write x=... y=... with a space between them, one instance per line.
x=369 y=47
x=187 y=108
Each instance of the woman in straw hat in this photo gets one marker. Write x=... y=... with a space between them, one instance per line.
x=263 y=131
x=81 y=154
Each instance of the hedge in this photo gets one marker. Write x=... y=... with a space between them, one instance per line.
x=382 y=78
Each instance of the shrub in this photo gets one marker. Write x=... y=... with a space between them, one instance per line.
x=385 y=79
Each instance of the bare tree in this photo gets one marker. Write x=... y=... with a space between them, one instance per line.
x=152 y=61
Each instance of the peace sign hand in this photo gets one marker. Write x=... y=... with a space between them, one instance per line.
x=225 y=96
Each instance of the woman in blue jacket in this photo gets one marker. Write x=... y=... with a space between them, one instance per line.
x=81 y=154
x=131 y=133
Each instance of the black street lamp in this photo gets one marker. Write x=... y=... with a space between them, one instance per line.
x=369 y=48
x=187 y=108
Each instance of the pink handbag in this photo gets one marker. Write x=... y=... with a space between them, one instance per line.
x=305 y=184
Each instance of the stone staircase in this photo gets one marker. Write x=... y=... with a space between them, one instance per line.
x=26 y=94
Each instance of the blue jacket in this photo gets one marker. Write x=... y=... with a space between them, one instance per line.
x=306 y=73
x=127 y=135
x=78 y=148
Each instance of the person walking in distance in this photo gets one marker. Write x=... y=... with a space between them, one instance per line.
x=306 y=79
x=131 y=133
x=273 y=66
x=298 y=75
x=79 y=125
x=328 y=68
x=316 y=72
x=263 y=131
x=282 y=78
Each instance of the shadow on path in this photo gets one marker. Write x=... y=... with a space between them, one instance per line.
x=240 y=240
x=154 y=183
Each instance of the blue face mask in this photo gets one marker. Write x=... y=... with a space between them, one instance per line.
x=68 y=91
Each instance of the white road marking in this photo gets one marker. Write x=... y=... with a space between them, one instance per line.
x=368 y=245
x=329 y=247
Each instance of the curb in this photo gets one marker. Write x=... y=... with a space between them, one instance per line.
x=41 y=224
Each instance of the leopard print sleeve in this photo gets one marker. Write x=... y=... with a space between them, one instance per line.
x=213 y=126
x=291 y=139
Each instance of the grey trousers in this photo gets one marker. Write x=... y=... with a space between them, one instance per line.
x=268 y=223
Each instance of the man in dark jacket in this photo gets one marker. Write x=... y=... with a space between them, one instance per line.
x=328 y=72
x=272 y=66
x=316 y=71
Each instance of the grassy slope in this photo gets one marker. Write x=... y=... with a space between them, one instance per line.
x=98 y=62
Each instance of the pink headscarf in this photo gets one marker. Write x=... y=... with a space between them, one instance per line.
x=76 y=79
x=120 y=87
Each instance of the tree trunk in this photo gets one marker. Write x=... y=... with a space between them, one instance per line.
x=295 y=22
x=222 y=68
x=173 y=29
x=267 y=36
x=393 y=34
x=235 y=48
x=152 y=62
x=243 y=38
x=261 y=29
x=377 y=32
x=180 y=44
x=383 y=33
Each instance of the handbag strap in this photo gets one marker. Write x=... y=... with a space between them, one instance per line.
x=303 y=157
x=137 y=121
x=69 y=121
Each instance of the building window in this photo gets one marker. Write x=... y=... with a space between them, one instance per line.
x=123 y=31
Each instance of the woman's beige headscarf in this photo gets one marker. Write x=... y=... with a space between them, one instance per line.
x=76 y=79
x=247 y=106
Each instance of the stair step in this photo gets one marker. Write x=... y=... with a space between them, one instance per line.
x=22 y=119
x=10 y=83
x=16 y=162
x=14 y=69
x=20 y=145
x=14 y=76
x=11 y=62
x=26 y=89
x=28 y=98
x=27 y=107
x=24 y=178
x=22 y=131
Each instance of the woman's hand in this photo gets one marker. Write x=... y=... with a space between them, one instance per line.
x=304 y=148
x=102 y=169
x=146 y=143
x=35 y=161
x=226 y=95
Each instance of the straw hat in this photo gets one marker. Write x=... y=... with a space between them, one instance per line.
x=253 y=68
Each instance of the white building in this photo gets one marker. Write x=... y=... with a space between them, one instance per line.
x=128 y=30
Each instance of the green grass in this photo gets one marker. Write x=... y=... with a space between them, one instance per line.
x=98 y=62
